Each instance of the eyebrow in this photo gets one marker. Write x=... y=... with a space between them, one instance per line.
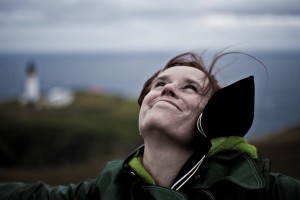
x=163 y=78
x=190 y=81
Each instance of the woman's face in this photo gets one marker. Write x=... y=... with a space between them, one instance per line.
x=174 y=103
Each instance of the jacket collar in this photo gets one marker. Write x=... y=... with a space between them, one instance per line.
x=243 y=171
x=187 y=171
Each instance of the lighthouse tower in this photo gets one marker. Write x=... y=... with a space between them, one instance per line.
x=31 y=94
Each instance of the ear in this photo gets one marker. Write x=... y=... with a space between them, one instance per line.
x=230 y=111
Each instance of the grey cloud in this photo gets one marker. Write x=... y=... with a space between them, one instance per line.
x=103 y=11
x=265 y=7
x=145 y=24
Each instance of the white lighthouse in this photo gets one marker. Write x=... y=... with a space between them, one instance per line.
x=31 y=94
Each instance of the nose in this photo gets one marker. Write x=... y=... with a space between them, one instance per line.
x=169 y=89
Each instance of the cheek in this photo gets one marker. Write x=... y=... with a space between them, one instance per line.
x=202 y=103
x=148 y=99
x=145 y=106
x=198 y=107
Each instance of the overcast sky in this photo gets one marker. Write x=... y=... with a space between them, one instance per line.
x=148 y=25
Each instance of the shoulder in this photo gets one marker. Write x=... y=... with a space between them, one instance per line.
x=113 y=165
x=112 y=168
x=242 y=171
x=284 y=187
x=113 y=182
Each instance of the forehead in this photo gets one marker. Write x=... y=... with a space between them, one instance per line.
x=182 y=72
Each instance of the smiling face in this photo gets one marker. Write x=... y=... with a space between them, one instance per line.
x=174 y=103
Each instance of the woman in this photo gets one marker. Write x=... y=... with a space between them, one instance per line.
x=184 y=156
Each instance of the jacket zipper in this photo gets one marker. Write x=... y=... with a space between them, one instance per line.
x=189 y=175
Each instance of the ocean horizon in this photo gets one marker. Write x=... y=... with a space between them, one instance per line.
x=277 y=87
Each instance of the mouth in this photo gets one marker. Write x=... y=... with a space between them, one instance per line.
x=170 y=102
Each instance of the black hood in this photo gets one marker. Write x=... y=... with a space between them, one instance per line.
x=229 y=112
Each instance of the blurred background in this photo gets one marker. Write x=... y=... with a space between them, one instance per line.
x=71 y=71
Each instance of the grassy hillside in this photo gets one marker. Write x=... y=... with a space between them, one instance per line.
x=283 y=148
x=93 y=126
x=71 y=144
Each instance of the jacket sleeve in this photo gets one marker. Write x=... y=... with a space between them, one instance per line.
x=284 y=187
x=22 y=191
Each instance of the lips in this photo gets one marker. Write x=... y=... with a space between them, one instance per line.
x=168 y=101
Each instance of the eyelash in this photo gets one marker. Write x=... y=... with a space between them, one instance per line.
x=191 y=87
x=160 y=83
x=188 y=86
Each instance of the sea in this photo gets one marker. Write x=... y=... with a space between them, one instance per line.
x=277 y=78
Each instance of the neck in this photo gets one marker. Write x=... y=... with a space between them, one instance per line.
x=163 y=161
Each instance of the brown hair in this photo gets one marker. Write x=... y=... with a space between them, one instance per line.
x=186 y=59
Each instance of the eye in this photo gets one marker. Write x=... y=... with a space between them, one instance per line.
x=192 y=87
x=159 y=84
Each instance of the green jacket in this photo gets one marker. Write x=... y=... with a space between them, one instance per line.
x=240 y=177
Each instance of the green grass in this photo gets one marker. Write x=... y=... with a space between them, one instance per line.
x=283 y=149
x=93 y=125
